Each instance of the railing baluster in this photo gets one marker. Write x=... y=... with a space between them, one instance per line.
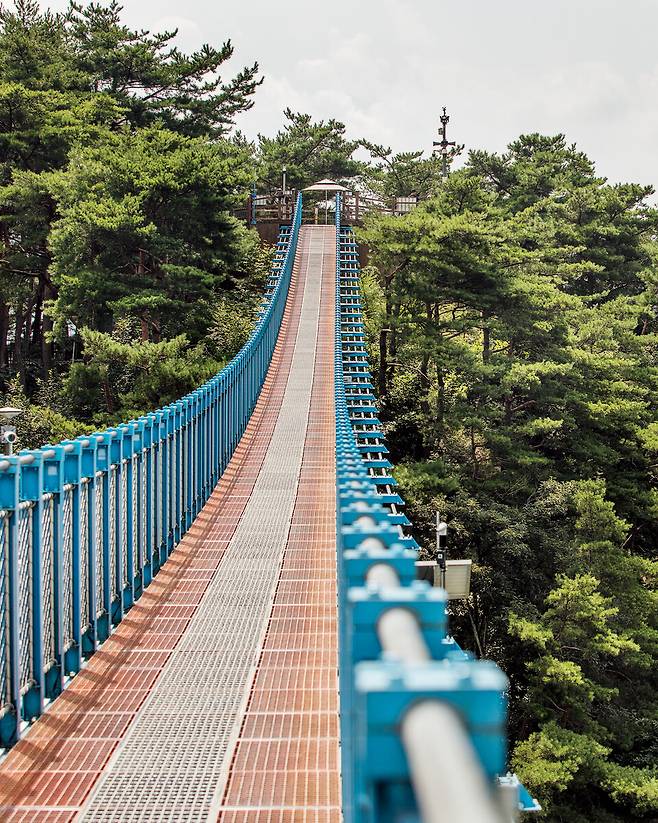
x=11 y=705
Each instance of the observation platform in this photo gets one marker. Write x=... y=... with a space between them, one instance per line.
x=216 y=697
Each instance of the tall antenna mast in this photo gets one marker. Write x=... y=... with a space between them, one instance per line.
x=444 y=144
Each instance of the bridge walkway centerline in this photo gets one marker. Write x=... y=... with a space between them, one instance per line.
x=217 y=697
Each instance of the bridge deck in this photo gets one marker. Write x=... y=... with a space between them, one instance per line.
x=216 y=697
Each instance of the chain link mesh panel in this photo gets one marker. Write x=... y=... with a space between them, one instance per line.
x=170 y=480
x=124 y=521
x=85 y=499
x=182 y=463
x=135 y=512
x=48 y=580
x=112 y=514
x=99 y=489
x=67 y=568
x=158 y=495
x=142 y=508
x=25 y=601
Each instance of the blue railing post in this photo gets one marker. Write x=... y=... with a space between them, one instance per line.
x=10 y=710
x=139 y=428
x=31 y=483
x=199 y=449
x=216 y=425
x=53 y=484
x=88 y=545
x=127 y=505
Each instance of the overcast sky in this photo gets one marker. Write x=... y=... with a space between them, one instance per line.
x=588 y=68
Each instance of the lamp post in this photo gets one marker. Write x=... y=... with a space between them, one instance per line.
x=452 y=575
x=441 y=547
x=283 y=180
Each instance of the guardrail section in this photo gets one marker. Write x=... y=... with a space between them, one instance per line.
x=86 y=524
x=422 y=722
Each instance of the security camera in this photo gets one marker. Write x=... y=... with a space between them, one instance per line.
x=8 y=435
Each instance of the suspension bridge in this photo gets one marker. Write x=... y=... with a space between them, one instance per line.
x=211 y=612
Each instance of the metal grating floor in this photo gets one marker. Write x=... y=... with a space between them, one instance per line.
x=286 y=763
x=236 y=637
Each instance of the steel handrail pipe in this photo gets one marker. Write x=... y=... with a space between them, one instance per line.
x=445 y=772
x=447 y=778
x=48 y=454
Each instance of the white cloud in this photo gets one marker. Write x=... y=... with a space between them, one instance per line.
x=385 y=67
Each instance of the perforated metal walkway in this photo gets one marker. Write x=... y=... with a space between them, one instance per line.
x=217 y=697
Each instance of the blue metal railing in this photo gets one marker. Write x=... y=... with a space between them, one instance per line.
x=388 y=665
x=86 y=524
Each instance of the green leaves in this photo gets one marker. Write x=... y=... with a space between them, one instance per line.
x=520 y=382
x=116 y=182
x=121 y=380
x=309 y=150
x=557 y=764
x=145 y=218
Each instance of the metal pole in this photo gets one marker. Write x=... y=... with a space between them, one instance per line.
x=441 y=547
x=254 y=195
x=444 y=143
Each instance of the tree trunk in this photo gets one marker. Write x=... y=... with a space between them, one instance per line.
x=486 y=341
x=425 y=367
x=4 y=334
x=474 y=459
x=440 y=402
x=107 y=394
x=18 y=338
x=22 y=341
x=144 y=319
x=36 y=320
x=46 y=331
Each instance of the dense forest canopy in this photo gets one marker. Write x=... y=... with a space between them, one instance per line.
x=512 y=322
x=513 y=325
